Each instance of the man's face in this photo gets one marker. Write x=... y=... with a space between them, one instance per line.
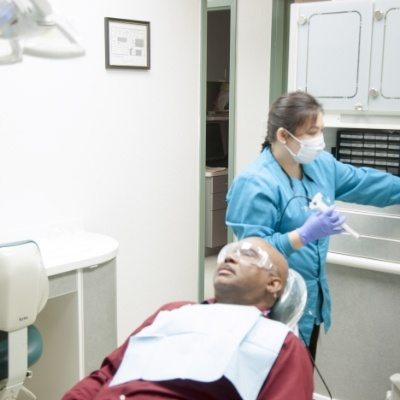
x=243 y=272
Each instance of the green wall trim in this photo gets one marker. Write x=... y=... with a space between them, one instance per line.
x=202 y=148
x=279 y=48
x=232 y=101
x=205 y=6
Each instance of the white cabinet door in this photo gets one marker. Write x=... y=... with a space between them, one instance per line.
x=385 y=57
x=331 y=42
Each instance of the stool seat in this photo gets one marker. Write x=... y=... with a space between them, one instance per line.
x=35 y=348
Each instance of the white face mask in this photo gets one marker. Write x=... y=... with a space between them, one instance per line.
x=309 y=150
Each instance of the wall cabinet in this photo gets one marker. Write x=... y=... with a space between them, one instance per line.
x=345 y=53
x=216 y=188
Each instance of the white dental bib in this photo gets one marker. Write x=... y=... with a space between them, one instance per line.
x=203 y=343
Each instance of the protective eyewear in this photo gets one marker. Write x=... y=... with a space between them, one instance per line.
x=247 y=253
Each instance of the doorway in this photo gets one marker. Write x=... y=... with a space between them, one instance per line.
x=219 y=132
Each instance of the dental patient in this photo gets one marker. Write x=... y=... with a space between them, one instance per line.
x=223 y=349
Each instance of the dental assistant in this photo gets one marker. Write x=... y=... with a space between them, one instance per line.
x=270 y=198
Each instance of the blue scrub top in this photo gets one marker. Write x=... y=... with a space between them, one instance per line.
x=263 y=201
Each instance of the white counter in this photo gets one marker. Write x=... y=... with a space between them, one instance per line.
x=78 y=323
x=68 y=252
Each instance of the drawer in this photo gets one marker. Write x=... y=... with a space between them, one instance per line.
x=217 y=184
x=63 y=284
x=216 y=201
x=380 y=237
x=366 y=247
x=386 y=227
x=216 y=231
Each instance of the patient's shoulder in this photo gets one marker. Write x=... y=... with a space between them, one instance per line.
x=165 y=307
x=175 y=304
x=293 y=344
x=172 y=306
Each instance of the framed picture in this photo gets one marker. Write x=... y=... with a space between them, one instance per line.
x=127 y=43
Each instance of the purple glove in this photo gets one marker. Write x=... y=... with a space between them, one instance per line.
x=321 y=224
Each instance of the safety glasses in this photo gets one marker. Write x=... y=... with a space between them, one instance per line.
x=247 y=253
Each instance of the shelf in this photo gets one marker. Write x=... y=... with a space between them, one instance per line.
x=363 y=263
x=216 y=171
x=217 y=118
x=362 y=120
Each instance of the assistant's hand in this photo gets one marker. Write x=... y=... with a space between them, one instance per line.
x=320 y=225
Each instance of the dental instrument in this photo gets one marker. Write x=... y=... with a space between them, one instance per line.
x=317 y=203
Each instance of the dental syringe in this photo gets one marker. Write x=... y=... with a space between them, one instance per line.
x=318 y=204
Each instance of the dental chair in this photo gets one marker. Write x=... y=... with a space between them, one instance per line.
x=394 y=393
x=290 y=306
x=24 y=290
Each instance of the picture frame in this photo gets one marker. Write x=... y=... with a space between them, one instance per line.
x=127 y=43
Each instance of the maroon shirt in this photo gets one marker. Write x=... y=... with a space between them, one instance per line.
x=291 y=377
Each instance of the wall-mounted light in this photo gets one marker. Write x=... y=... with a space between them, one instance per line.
x=31 y=27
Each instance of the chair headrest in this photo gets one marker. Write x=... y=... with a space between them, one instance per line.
x=24 y=286
x=290 y=305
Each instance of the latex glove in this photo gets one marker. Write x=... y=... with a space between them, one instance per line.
x=321 y=224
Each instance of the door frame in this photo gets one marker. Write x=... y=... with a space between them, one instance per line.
x=279 y=48
x=215 y=5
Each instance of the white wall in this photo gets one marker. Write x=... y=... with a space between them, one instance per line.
x=117 y=149
x=254 y=23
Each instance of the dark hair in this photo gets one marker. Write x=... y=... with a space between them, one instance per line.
x=291 y=111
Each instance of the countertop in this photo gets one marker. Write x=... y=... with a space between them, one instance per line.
x=216 y=171
x=64 y=253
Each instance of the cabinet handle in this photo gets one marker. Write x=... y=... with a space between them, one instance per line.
x=302 y=19
x=378 y=14
x=374 y=92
